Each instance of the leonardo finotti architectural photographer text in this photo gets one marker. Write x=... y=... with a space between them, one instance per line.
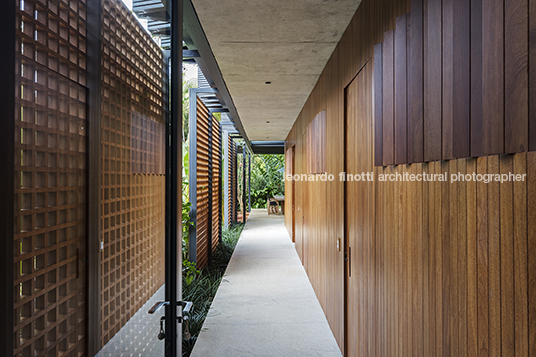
x=395 y=177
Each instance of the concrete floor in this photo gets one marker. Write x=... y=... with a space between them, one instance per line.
x=265 y=305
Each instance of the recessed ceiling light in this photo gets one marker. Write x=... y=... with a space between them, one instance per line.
x=267 y=82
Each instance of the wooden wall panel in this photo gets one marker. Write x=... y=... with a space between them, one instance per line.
x=388 y=99
x=483 y=260
x=521 y=292
x=461 y=85
x=316 y=144
x=415 y=83
x=378 y=105
x=493 y=76
x=532 y=75
x=531 y=251
x=132 y=193
x=450 y=269
x=477 y=111
x=432 y=80
x=50 y=189
x=400 y=90
x=516 y=83
x=476 y=90
x=472 y=262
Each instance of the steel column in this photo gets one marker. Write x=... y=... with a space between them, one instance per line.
x=173 y=241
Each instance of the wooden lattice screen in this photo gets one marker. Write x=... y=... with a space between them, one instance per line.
x=132 y=258
x=205 y=165
x=50 y=187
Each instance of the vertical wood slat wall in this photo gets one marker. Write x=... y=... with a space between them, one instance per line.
x=316 y=144
x=450 y=266
x=470 y=93
x=50 y=187
x=132 y=258
x=208 y=188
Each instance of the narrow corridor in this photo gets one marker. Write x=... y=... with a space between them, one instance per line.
x=265 y=305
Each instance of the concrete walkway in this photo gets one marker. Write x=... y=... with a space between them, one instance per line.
x=265 y=305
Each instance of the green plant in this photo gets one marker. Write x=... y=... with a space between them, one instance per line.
x=189 y=271
x=266 y=178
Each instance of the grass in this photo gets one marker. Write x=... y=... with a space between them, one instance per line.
x=203 y=289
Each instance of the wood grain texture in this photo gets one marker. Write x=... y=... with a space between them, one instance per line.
x=447 y=72
x=493 y=76
x=378 y=105
x=415 y=83
x=532 y=74
x=516 y=79
x=482 y=259
x=531 y=250
x=520 y=257
x=461 y=79
x=494 y=255
x=507 y=259
x=400 y=90
x=434 y=278
x=477 y=144
x=388 y=99
x=472 y=262
x=462 y=260
x=432 y=81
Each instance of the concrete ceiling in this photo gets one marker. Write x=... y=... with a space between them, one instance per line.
x=285 y=42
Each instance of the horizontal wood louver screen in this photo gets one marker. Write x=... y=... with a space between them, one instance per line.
x=454 y=82
x=133 y=186
x=216 y=183
x=50 y=188
x=202 y=224
x=206 y=166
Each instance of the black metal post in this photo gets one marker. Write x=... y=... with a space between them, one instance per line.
x=7 y=178
x=173 y=241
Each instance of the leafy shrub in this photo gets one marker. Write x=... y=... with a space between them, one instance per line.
x=267 y=173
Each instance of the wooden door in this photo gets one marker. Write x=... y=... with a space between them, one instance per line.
x=359 y=220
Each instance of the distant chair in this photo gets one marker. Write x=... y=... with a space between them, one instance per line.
x=272 y=205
